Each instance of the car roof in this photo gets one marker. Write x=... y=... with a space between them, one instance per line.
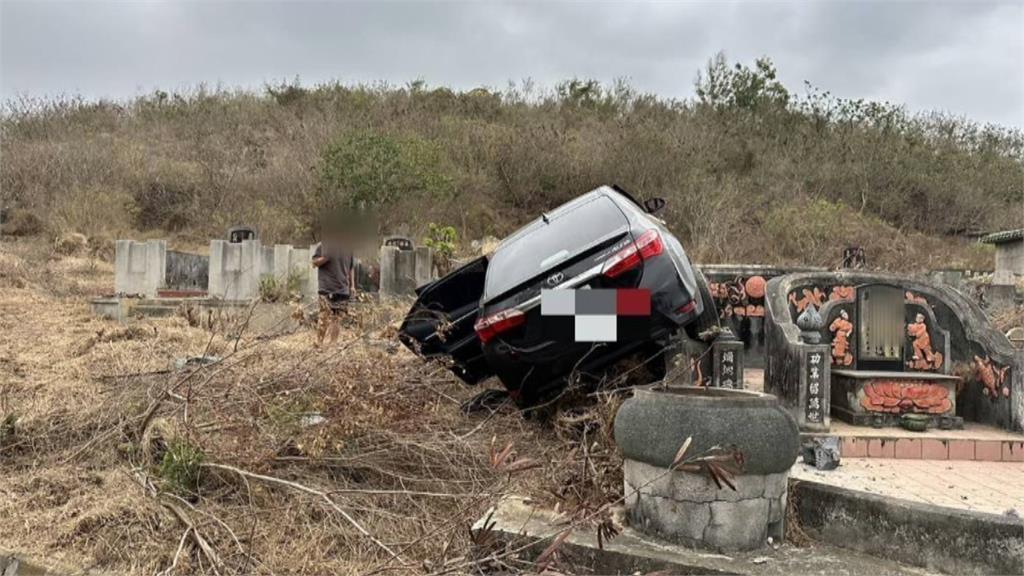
x=617 y=195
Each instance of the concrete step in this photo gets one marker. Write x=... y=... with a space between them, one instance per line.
x=154 y=311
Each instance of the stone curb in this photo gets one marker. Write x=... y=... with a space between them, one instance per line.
x=933 y=537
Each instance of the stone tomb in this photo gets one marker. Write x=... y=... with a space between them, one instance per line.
x=889 y=346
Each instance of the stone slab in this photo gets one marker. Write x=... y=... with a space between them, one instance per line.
x=933 y=537
x=519 y=525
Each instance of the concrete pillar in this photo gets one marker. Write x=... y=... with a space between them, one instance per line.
x=140 y=268
x=251 y=269
x=122 y=264
x=281 y=261
x=405 y=271
x=156 y=266
x=389 y=284
x=424 y=266
x=215 y=283
x=234 y=269
x=311 y=281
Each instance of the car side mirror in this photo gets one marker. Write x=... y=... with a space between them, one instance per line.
x=654 y=205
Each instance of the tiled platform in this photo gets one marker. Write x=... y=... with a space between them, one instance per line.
x=992 y=487
x=974 y=442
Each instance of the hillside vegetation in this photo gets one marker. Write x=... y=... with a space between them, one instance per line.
x=752 y=171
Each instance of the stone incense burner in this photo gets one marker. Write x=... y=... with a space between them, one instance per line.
x=688 y=507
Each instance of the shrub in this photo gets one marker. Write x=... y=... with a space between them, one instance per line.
x=274 y=289
x=442 y=239
x=180 y=467
x=21 y=222
x=368 y=168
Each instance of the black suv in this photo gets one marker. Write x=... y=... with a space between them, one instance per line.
x=486 y=315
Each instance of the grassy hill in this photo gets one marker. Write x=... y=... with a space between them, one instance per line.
x=752 y=171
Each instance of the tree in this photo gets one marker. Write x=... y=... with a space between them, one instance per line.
x=371 y=169
x=738 y=87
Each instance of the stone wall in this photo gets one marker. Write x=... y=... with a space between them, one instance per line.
x=140 y=267
x=1009 y=263
x=186 y=271
x=690 y=509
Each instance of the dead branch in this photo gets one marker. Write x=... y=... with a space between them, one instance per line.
x=302 y=488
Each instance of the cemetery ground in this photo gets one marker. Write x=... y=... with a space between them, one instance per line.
x=281 y=457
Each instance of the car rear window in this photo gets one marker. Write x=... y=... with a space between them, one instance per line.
x=536 y=247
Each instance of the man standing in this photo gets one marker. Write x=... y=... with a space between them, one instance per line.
x=335 y=284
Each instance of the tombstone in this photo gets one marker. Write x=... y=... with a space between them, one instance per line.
x=388 y=270
x=1009 y=256
x=853 y=257
x=400 y=242
x=237 y=234
x=235 y=269
x=889 y=347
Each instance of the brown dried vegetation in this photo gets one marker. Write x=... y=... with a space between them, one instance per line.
x=280 y=458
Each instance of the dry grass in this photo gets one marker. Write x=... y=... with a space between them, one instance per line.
x=85 y=481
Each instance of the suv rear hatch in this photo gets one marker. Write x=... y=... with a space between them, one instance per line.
x=440 y=322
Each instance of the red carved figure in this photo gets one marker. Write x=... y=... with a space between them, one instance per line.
x=810 y=297
x=841 y=329
x=843 y=293
x=924 y=358
x=914 y=299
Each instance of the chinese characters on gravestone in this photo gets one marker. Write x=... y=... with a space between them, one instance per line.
x=728 y=362
x=814 y=385
x=728 y=378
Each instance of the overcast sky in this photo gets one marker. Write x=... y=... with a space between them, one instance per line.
x=963 y=57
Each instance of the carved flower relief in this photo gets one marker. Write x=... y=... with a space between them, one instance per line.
x=903 y=397
x=739 y=297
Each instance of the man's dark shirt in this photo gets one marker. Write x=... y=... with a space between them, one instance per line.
x=333 y=275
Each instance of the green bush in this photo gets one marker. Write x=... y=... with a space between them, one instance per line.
x=274 y=289
x=443 y=240
x=369 y=168
x=181 y=466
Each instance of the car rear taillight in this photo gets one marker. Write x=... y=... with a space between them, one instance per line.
x=648 y=245
x=490 y=327
x=687 y=308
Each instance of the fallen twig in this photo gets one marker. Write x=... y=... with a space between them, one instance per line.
x=313 y=491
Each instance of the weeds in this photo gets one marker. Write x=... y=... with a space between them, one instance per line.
x=180 y=467
x=274 y=289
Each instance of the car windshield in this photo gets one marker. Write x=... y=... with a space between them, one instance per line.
x=540 y=246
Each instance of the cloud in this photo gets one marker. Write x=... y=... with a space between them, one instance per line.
x=964 y=58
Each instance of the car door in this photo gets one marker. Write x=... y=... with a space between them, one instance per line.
x=440 y=322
